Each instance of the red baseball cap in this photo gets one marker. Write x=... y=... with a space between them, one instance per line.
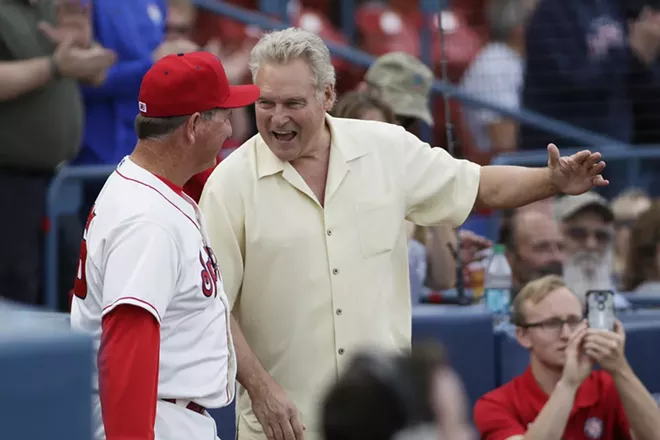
x=183 y=84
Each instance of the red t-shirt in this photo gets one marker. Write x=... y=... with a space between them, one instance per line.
x=597 y=411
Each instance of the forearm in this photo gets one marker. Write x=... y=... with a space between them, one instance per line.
x=251 y=374
x=640 y=407
x=506 y=187
x=551 y=421
x=20 y=77
x=441 y=259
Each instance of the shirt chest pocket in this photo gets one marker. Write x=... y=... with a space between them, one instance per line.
x=379 y=226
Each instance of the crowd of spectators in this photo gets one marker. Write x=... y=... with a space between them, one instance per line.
x=69 y=80
x=518 y=57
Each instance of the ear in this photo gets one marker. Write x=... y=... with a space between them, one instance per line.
x=192 y=127
x=522 y=335
x=329 y=97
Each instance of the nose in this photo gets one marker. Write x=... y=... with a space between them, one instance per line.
x=591 y=243
x=280 y=116
x=565 y=331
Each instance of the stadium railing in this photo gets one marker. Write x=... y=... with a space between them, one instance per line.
x=70 y=175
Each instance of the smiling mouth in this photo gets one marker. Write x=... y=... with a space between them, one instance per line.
x=284 y=135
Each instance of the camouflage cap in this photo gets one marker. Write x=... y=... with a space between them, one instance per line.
x=404 y=83
x=568 y=206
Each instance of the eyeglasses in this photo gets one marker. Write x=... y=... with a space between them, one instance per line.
x=602 y=236
x=555 y=325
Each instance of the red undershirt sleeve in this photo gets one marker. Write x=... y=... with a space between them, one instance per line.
x=128 y=362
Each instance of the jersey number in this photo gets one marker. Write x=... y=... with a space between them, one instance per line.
x=80 y=283
x=209 y=272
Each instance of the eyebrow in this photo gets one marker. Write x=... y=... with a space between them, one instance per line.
x=288 y=99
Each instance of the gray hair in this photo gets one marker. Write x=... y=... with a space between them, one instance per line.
x=281 y=47
x=504 y=16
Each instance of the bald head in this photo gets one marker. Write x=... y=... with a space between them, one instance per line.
x=536 y=246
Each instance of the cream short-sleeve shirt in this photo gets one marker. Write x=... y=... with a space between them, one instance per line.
x=311 y=284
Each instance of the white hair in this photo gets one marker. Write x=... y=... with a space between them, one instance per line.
x=282 y=47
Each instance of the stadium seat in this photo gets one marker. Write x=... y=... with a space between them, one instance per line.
x=457 y=328
x=382 y=29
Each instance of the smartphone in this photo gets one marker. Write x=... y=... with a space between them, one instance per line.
x=600 y=309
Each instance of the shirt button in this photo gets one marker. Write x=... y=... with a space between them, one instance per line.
x=329 y=232
x=339 y=311
x=335 y=271
x=340 y=351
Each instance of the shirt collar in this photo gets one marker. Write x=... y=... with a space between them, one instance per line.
x=350 y=148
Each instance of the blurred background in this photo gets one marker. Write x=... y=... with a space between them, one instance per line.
x=507 y=77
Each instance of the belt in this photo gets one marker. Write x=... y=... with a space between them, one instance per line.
x=192 y=406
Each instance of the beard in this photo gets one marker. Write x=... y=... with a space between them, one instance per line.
x=588 y=270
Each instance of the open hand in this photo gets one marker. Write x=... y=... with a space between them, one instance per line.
x=575 y=174
x=74 y=21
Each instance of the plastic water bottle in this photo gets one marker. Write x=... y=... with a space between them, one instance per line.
x=497 y=286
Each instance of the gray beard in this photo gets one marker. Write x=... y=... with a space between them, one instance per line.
x=586 y=271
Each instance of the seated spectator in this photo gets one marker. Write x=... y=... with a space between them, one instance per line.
x=496 y=75
x=587 y=222
x=363 y=105
x=642 y=273
x=626 y=207
x=387 y=397
x=534 y=247
x=560 y=395
x=404 y=83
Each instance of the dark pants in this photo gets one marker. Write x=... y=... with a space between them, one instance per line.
x=22 y=202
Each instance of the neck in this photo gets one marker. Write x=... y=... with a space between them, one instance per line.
x=160 y=159
x=546 y=378
x=320 y=152
x=518 y=45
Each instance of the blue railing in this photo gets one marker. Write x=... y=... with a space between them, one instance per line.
x=54 y=210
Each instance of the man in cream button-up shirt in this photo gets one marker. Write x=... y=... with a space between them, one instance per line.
x=307 y=223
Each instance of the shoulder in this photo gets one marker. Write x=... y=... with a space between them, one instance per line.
x=355 y=137
x=502 y=396
x=365 y=130
x=123 y=202
x=240 y=164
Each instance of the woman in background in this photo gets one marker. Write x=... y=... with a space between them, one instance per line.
x=642 y=273
x=626 y=207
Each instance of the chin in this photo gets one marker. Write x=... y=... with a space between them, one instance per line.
x=285 y=153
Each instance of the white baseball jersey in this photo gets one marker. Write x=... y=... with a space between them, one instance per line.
x=145 y=245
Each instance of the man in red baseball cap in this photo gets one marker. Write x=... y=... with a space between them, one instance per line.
x=148 y=288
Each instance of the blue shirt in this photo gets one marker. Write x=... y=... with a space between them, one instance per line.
x=133 y=29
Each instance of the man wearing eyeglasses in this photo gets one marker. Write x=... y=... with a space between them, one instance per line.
x=587 y=222
x=559 y=396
